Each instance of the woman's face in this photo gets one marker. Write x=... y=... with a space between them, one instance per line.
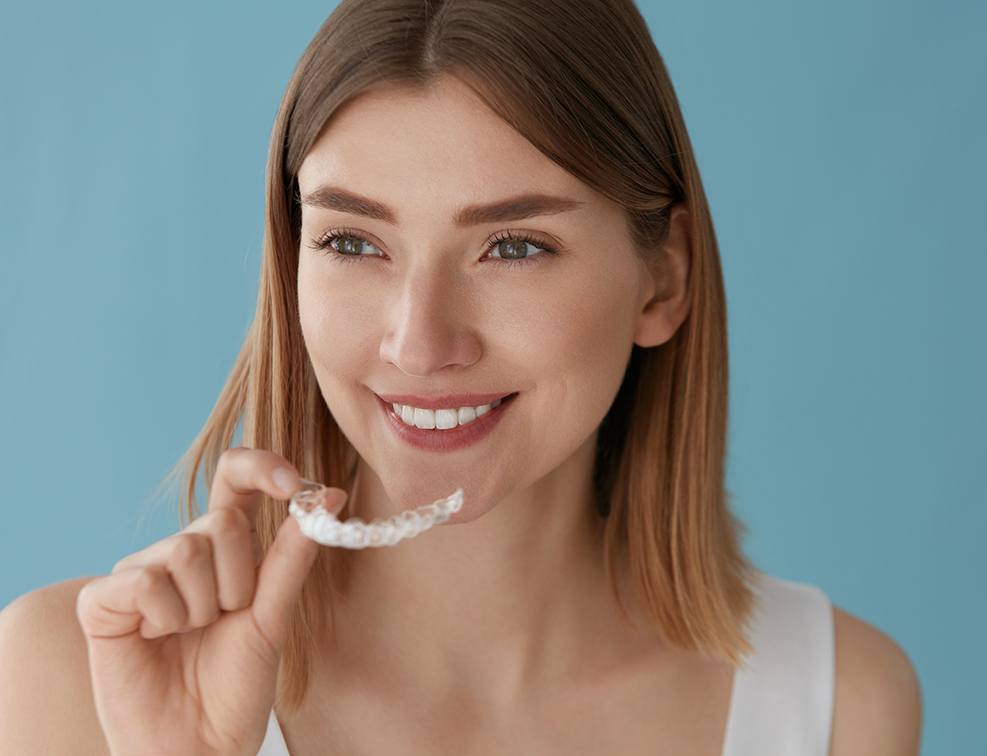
x=426 y=306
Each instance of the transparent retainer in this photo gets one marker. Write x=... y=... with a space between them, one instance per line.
x=308 y=507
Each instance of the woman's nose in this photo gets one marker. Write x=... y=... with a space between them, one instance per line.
x=430 y=325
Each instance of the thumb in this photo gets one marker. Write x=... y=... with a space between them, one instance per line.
x=283 y=572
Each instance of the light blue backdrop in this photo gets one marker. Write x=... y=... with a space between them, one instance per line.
x=842 y=148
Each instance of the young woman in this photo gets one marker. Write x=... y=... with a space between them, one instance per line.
x=485 y=214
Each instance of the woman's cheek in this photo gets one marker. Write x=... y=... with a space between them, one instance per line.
x=335 y=318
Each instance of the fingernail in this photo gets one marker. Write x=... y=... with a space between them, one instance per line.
x=287 y=480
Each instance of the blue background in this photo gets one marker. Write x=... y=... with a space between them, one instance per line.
x=842 y=149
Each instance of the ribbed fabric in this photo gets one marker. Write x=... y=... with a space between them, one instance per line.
x=782 y=699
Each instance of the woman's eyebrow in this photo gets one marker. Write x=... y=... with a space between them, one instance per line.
x=513 y=208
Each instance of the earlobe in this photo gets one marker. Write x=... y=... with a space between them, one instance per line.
x=668 y=288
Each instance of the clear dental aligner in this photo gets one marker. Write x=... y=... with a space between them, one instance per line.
x=322 y=526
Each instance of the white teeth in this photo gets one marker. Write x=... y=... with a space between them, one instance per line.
x=424 y=418
x=446 y=418
x=442 y=419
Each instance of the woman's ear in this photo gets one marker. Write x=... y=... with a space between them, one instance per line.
x=666 y=299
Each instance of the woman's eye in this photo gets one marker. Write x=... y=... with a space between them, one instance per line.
x=346 y=245
x=515 y=249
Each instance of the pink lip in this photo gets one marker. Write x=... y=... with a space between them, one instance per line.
x=446 y=400
x=446 y=440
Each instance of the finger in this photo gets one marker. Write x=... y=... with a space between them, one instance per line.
x=122 y=615
x=143 y=600
x=282 y=573
x=244 y=475
x=191 y=568
x=160 y=603
x=236 y=554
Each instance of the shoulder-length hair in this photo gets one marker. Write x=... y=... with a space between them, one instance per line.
x=585 y=84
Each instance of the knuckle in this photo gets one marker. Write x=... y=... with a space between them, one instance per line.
x=82 y=597
x=210 y=611
x=202 y=616
x=150 y=577
x=189 y=548
x=234 y=455
x=229 y=521
x=242 y=600
x=227 y=458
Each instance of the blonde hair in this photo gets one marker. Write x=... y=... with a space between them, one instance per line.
x=586 y=85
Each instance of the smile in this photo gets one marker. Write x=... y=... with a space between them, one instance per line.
x=444 y=429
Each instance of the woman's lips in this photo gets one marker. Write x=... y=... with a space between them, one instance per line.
x=452 y=438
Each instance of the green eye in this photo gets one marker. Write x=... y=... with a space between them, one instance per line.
x=348 y=244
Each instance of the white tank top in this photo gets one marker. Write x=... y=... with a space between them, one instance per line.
x=782 y=699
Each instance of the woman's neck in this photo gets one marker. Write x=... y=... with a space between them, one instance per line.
x=488 y=608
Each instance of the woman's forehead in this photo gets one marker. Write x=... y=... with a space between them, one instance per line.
x=447 y=135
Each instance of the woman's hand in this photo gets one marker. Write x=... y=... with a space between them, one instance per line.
x=186 y=635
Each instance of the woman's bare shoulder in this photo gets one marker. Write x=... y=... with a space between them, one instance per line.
x=46 y=702
x=878 y=706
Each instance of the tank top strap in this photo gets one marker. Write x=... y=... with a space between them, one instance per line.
x=273 y=744
x=782 y=701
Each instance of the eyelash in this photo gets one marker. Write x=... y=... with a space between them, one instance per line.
x=323 y=243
